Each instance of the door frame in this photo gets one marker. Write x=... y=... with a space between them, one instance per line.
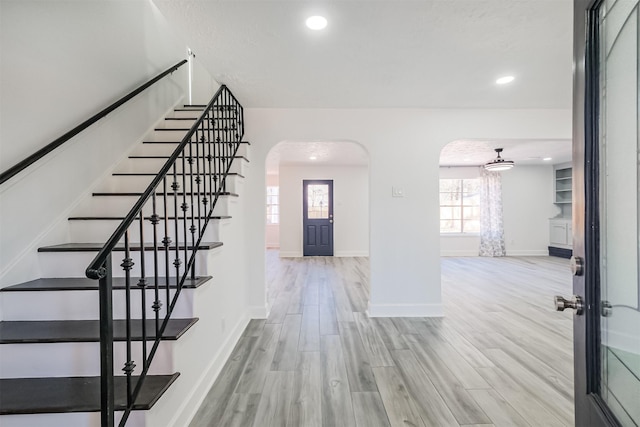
x=305 y=220
x=590 y=408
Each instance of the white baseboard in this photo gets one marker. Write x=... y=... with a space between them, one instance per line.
x=405 y=310
x=528 y=252
x=351 y=254
x=290 y=254
x=200 y=390
x=459 y=253
x=297 y=254
x=258 y=312
x=521 y=252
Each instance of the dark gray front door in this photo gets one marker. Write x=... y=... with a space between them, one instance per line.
x=606 y=212
x=317 y=221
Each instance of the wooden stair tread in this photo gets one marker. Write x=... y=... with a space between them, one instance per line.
x=74 y=394
x=169 y=174
x=166 y=157
x=95 y=247
x=178 y=142
x=171 y=193
x=86 y=284
x=56 y=331
x=120 y=218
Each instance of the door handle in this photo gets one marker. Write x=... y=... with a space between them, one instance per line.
x=577 y=265
x=576 y=304
x=330 y=221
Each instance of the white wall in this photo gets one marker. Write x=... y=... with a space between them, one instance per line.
x=350 y=208
x=527 y=205
x=404 y=148
x=62 y=62
x=203 y=86
x=527 y=197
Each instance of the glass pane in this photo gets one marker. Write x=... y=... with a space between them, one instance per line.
x=450 y=185
x=471 y=186
x=471 y=226
x=620 y=204
x=471 y=199
x=449 y=198
x=447 y=212
x=450 y=226
x=471 y=213
x=318 y=201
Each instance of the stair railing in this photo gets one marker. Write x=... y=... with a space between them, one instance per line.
x=25 y=163
x=178 y=204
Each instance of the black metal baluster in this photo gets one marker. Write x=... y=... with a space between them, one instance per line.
x=175 y=187
x=198 y=178
x=216 y=164
x=225 y=138
x=157 y=304
x=127 y=265
x=184 y=208
x=206 y=175
x=212 y=172
x=142 y=284
x=192 y=227
x=167 y=240
x=107 y=389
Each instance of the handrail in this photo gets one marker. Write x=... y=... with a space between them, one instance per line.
x=95 y=270
x=182 y=198
x=22 y=165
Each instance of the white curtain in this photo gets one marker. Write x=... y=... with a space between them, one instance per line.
x=491 y=228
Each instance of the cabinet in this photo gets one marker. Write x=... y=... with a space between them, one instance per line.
x=560 y=232
x=562 y=185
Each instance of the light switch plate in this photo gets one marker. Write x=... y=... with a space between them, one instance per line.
x=397 y=191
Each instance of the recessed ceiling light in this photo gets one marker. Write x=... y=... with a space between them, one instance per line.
x=316 y=22
x=312 y=158
x=505 y=79
x=546 y=159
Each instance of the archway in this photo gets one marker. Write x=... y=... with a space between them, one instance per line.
x=288 y=165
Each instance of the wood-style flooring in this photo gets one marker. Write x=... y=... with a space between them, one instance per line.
x=500 y=357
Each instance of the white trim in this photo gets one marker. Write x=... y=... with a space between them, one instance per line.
x=464 y=252
x=528 y=252
x=258 y=312
x=405 y=310
x=192 y=403
x=290 y=254
x=351 y=254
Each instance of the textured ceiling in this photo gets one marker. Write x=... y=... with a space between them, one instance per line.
x=456 y=153
x=385 y=53
x=325 y=153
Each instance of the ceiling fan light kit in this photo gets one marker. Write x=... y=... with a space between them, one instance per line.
x=499 y=164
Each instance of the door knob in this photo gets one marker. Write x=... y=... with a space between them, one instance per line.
x=575 y=303
x=577 y=265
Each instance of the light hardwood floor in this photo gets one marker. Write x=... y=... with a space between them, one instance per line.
x=501 y=356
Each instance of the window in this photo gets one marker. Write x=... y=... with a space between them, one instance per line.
x=273 y=205
x=459 y=206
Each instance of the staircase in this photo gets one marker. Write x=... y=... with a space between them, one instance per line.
x=50 y=336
